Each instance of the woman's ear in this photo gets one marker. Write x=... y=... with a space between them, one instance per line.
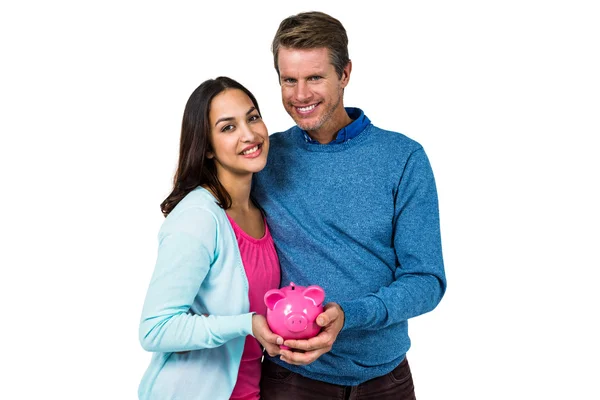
x=210 y=155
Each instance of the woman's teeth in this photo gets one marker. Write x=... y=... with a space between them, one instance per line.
x=250 y=151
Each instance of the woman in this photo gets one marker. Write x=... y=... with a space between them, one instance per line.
x=203 y=315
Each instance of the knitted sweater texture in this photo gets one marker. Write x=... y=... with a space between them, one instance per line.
x=360 y=219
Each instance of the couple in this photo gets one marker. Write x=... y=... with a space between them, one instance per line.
x=350 y=207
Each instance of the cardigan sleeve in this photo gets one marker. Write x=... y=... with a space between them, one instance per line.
x=185 y=254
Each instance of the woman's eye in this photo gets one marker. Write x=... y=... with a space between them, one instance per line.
x=253 y=118
x=227 y=128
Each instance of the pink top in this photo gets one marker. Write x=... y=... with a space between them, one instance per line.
x=262 y=269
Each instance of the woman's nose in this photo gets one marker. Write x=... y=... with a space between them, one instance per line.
x=247 y=134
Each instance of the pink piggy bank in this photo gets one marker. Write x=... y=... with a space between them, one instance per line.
x=292 y=311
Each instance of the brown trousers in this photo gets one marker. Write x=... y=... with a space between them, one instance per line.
x=278 y=383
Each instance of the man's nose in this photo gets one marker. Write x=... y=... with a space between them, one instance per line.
x=302 y=92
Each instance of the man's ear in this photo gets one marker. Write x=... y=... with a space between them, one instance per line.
x=346 y=74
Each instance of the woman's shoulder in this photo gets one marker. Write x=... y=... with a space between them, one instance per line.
x=195 y=214
x=198 y=198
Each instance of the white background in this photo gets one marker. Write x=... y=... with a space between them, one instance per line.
x=504 y=96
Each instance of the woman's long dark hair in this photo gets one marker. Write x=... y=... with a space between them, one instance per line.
x=194 y=168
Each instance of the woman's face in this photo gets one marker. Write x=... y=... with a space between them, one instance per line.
x=238 y=136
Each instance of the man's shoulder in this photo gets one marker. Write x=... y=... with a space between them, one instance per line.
x=393 y=139
x=282 y=142
x=282 y=136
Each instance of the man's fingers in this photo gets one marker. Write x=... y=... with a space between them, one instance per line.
x=297 y=344
x=303 y=352
x=322 y=340
x=329 y=314
x=295 y=358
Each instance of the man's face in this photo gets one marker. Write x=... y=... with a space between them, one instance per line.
x=311 y=91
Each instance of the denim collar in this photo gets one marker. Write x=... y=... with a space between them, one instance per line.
x=359 y=123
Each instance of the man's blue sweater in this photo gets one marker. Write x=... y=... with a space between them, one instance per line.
x=360 y=219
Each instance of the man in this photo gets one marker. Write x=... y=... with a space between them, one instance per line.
x=352 y=208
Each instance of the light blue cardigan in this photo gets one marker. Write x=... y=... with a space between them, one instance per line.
x=198 y=271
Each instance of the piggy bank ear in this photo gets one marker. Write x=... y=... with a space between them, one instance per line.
x=314 y=293
x=272 y=297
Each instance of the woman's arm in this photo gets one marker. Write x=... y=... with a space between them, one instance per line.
x=185 y=255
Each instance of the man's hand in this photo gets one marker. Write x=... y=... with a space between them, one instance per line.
x=262 y=333
x=332 y=321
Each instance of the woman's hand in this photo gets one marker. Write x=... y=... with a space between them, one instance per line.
x=262 y=333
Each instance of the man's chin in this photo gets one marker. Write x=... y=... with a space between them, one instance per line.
x=304 y=126
x=304 y=123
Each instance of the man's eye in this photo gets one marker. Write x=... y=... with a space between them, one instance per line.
x=314 y=78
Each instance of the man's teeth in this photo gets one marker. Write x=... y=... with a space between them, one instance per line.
x=305 y=109
x=250 y=151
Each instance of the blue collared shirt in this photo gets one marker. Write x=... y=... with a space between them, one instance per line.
x=359 y=123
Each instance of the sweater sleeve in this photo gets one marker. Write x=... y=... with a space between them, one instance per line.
x=419 y=279
x=185 y=254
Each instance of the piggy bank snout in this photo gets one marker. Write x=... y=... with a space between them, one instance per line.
x=296 y=322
